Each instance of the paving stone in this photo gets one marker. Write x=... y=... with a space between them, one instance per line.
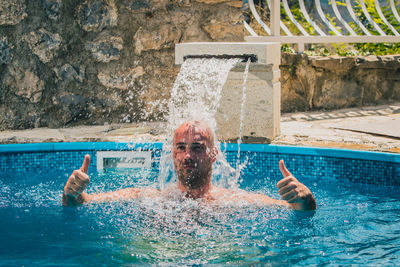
x=296 y=130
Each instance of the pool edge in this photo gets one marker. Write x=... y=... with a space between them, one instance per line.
x=228 y=147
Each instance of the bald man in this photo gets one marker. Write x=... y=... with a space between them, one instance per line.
x=194 y=153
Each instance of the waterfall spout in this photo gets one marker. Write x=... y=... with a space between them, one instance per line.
x=261 y=117
x=244 y=58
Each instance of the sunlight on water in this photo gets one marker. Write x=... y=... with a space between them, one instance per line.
x=172 y=228
x=194 y=233
x=355 y=224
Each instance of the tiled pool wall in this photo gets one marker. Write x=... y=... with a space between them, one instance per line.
x=314 y=163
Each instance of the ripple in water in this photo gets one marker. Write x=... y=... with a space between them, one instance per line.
x=353 y=225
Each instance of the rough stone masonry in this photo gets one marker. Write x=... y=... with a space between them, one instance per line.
x=74 y=62
x=68 y=62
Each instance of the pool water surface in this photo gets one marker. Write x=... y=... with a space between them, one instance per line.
x=354 y=224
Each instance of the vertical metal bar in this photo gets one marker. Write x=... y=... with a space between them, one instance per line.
x=300 y=47
x=275 y=17
x=283 y=26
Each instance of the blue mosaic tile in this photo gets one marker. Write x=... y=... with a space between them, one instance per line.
x=317 y=167
x=259 y=164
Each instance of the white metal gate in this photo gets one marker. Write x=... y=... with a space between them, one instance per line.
x=348 y=27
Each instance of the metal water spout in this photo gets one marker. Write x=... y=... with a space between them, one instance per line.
x=261 y=121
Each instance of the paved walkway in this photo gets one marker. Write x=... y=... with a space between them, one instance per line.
x=369 y=128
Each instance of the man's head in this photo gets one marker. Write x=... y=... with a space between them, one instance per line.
x=194 y=153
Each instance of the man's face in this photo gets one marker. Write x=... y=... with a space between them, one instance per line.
x=194 y=153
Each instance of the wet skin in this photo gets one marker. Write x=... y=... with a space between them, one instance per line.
x=193 y=154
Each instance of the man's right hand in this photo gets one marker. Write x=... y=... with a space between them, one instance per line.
x=78 y=181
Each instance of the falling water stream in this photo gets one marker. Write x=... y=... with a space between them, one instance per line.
x=195 y=96
x=242 y=112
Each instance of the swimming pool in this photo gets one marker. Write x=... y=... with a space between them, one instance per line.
x=357 y=221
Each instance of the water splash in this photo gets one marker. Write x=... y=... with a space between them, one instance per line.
x=197 y=91
x=195 y=96
x=239 y=141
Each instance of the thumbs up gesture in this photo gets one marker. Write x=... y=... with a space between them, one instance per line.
x=295 y=193
x=78 y=181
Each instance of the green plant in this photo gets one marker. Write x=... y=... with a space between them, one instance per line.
x=286 y=48
x=298 y=16
x=376 y=48
x=349 y=49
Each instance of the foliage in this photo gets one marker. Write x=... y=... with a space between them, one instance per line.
x=348 y=49
x=288 y=49
x=298 y=16
x=376 y=48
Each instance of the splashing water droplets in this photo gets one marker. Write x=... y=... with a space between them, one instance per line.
x=197 y=91
x=241 y=166
x=195 y=96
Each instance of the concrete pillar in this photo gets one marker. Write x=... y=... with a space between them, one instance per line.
x=261 y=122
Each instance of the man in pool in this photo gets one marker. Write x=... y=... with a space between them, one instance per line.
x=194 y=153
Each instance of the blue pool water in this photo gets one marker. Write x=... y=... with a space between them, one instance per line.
x=357 y=221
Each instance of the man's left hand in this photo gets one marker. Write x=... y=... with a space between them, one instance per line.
x=295 y=193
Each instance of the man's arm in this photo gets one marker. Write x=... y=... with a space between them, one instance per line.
x=78 y=181
x=293 y=193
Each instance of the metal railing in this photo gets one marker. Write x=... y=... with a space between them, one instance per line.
x=337 y=21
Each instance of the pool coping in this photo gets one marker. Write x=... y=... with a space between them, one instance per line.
x=228 y=147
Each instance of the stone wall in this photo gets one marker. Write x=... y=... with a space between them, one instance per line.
x=316 y=83
x=66 y=62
